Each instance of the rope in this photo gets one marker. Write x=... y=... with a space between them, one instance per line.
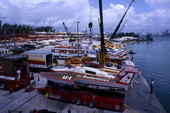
x=90 y=10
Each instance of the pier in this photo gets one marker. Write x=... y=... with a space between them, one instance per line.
x=138 y=100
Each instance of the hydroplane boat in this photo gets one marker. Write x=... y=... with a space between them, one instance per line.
x=86 y=76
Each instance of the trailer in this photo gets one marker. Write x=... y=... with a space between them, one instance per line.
x=39 y=60
x=84 y=96
x=14 y=72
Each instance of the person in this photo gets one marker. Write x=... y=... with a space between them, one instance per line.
x=151 y=85
x=139 y=74
x=69 y=111
x=10 y=91
x=18 y=74
x=32 y=80
x=85 y=58
x=55 y=62
x=68 y=62
x=132 y=58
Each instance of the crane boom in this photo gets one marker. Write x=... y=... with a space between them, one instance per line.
x=122 y=26
x=71 y=38
x=118 y=26
x=66 y=29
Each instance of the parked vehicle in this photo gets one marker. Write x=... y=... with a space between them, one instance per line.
x=29 y=46
x=40 y=44
x=26 y=48
x=17 y=49
x=39 y=60
x=14 y=73
x=92 y=98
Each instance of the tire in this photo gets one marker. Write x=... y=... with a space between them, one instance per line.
x=91 y=104
x=78 y=102
x=2 y=86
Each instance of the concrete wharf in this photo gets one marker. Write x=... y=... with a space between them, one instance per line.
x=138 y=100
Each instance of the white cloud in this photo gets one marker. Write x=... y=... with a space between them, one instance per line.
x=113 y=15
x=158 y=3
x=54 y=12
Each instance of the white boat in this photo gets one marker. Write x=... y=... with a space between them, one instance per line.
x=90 y=77
x=94 y=76
x=83 y=70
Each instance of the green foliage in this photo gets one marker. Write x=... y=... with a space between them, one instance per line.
x=127 y=34
x=19 y=28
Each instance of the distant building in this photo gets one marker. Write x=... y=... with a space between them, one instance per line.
x=166 y=33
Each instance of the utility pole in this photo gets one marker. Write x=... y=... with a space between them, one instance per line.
x=78 y=35
x=102 y=51
x=90 y=27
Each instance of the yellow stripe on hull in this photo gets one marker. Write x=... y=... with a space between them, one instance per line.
x=38 y=59
x=111 y=70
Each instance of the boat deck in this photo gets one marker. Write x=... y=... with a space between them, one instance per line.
x=72 y=78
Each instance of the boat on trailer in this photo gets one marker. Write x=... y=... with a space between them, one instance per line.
x=89 y=77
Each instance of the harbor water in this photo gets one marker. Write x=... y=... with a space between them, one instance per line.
x=153 y=59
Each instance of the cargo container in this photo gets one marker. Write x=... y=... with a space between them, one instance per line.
x=39 y=60
x=14 y=72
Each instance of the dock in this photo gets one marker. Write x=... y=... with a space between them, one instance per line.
x=138 y=100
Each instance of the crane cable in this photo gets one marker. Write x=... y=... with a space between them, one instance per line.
x=90 y=10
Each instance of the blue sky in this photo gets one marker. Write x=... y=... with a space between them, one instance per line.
x=143 y=16
x=140 y=5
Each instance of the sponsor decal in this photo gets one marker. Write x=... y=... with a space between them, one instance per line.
x=92 y=78
x=70 y=51
x=85 y=77
x=67 y=77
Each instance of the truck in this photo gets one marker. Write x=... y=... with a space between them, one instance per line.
x=39 y=60
x=83 y=96
x=14 y=72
